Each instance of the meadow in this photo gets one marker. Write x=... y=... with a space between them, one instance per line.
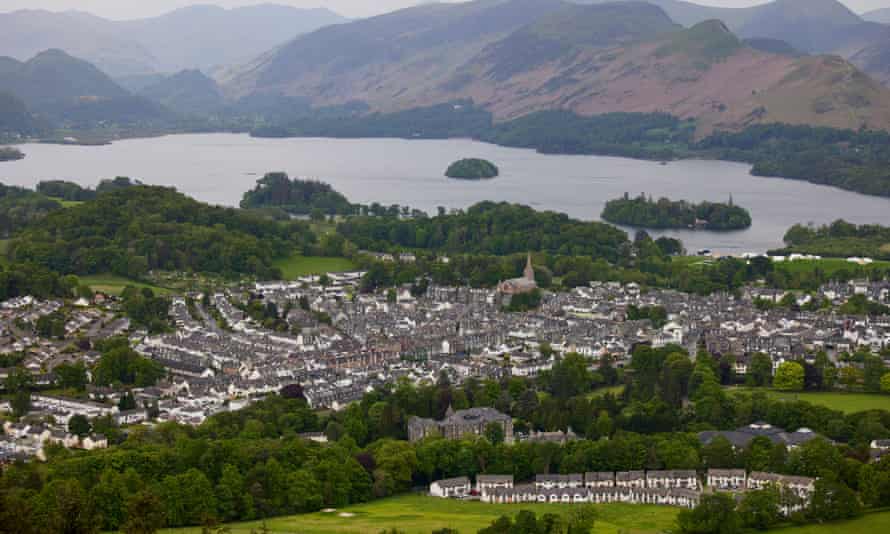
x=416 y=514
x=844 y=402
x=298 y=265
x=114 y=285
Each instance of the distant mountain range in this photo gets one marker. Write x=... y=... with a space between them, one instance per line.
x=514 y=57
x=55 y=88
x=811 y=26
x=198 y=37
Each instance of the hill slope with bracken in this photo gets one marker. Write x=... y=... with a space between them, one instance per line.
x=551 y=55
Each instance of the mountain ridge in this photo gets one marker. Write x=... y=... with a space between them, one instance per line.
x=649 y=65
x=202 y=36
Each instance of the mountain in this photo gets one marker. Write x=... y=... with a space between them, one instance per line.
x=194 y=37
x=15 y=119
x=881 y=16
x=810 y=26
x=188 y=92
x=61 y=88
x=26 y=33
x=206 y=36
x=590 y=59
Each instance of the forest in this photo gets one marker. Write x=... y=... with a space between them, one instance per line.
x=664 y=213
x=298 y=197
x=472 y=169
x=489 y=228
x=840 y=239
x=131 y=230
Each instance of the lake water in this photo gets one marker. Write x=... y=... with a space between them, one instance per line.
x=219 y=168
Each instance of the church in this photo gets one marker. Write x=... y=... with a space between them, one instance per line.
x=518 y=286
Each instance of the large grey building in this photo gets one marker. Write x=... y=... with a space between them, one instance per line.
x=460 y=423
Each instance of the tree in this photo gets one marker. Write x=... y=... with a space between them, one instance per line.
x=71 y=376
x=833 y=500
x=66 y=508
x=80 y=426
x=885 y=383
x=760 y=509
x=760 y=371
x=18 y=384
x=719 y=454
x=715 y=514
x=494 y=433
x=789 y=377
x=230 y=494
x=145 y=514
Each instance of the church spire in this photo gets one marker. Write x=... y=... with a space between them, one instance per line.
x=529 y=271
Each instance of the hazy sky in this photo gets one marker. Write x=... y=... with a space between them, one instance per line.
x=123 y=9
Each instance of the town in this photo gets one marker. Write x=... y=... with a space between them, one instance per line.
x=337 y=345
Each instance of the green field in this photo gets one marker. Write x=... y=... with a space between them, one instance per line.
x=414 y=514
x=827 y=265
x=114 y=285
x=844 y=402
x=67 y=203
x=298 y=265
x=867 y=524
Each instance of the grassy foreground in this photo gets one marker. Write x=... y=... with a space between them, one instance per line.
x=114 y=285
x=297 y=265
x=868 y=524
x=844 y=402
x=415 y=514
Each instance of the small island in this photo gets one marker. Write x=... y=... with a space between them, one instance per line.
x=10 y=154
x=472 y=169
x=663 y=213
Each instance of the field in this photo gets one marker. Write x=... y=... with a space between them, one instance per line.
x=298 y=265
x=67 y=203
x=868 y=524
x=844 y=402
x=414 y=514
x=827 y=265
x=114 y=285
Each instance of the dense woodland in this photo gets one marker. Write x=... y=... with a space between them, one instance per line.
x=298 y=197
x=840 y=239
x=489 y=228
x=472 y=169
x=251 y=463
x=63 y=190
x=132 y=230
x=665 y=213
x=20 y=207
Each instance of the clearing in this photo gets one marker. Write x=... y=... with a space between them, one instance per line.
x=298 y=265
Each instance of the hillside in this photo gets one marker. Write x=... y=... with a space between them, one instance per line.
x=810 y=26
x=195 y=37
x=15 y=119
x=187 y=92
x=59 y=87
x=626 y=57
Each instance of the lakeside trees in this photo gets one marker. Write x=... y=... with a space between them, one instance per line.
x=472 y=169
x=664 y=213
x=298 y=197
x=131 y=230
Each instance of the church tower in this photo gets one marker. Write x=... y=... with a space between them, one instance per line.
x=529 y=272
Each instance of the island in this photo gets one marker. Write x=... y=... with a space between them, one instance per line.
x=663 y=213
x=472 y=169
x=10 y=154
x=296 y=197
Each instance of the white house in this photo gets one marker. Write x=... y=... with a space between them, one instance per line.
x=451 y=488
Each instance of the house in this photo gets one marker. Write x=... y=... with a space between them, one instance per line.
x=604 y=479
x=687 y=479
x=727 y=479
x=488 y=483
x=458 y=424
x=451 y=488
x=630 y=479
x=559 y=481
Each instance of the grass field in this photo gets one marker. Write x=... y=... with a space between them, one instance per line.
x=827 y=265
x=67 y=203
x=414 y=514
x=844 y=402
x=114 y=285
x=876 y=523
x=298 y=265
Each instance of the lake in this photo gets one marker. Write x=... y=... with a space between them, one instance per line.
x=219 y=168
